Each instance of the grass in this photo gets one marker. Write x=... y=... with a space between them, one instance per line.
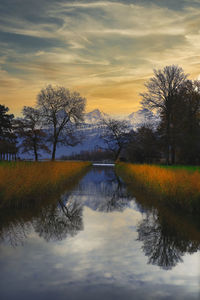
x=182 y=167
x=23 y=182
x=174 y=186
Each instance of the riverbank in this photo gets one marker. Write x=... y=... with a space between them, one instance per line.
x=176 y=188
x=29 y=182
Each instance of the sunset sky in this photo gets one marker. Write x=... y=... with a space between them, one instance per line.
x=106 y=50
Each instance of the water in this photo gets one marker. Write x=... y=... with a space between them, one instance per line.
x=98 y=242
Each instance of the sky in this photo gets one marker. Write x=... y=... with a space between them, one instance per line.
x=105 y=50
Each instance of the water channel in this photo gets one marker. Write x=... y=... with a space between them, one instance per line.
x=98 y=242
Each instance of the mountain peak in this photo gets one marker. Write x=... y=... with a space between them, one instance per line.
x=136 y=118
x=93 y=116
x=95 y=112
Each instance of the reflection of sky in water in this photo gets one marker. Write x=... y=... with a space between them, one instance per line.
x=102 y=261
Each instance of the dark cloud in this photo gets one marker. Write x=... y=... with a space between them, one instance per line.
x=25 y=43
x=35 y=9
x=27 y=9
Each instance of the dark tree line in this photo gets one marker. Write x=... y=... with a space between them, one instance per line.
x=161 y=95
x=176 y=138
x=176 y=99
x=143 y=145
x=8 y=149
x=98 y=154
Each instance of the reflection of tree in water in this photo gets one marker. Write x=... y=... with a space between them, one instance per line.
x=15 y=234
x=162 y=243
x=17 y=223
x=53 y=222
x=58 y=222
x=115 y=197
x=14 y=227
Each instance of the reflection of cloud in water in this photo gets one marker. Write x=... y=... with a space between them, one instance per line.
x=103 y=258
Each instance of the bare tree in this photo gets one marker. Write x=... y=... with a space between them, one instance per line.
x=30 y=130
x=62 y=111
x=161 y=95
x=115 y=135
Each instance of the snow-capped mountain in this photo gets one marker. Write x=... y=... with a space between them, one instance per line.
x=94 y=117
x=136 y=119
x=91 y=130
x=142 y=116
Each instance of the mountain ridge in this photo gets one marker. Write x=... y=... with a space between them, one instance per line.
x=135 y=119
x=92 y=128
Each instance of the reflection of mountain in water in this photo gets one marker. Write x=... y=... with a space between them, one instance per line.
x=166 y=237
x=101 y=190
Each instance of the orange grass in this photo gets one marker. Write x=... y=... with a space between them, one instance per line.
x=22 y=180
x=177 y=186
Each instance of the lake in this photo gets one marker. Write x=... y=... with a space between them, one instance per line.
x=98 y=241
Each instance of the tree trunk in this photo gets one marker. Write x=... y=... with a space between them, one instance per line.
x=54 y=151
x=173 y=155
x=35 y=153
x=167 y=139
x=117 y=154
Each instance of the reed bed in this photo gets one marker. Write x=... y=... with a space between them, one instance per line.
x=182 y=167
x=27 y=181
x=176 y=187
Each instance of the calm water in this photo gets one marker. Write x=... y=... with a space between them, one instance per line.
x=98 y=242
